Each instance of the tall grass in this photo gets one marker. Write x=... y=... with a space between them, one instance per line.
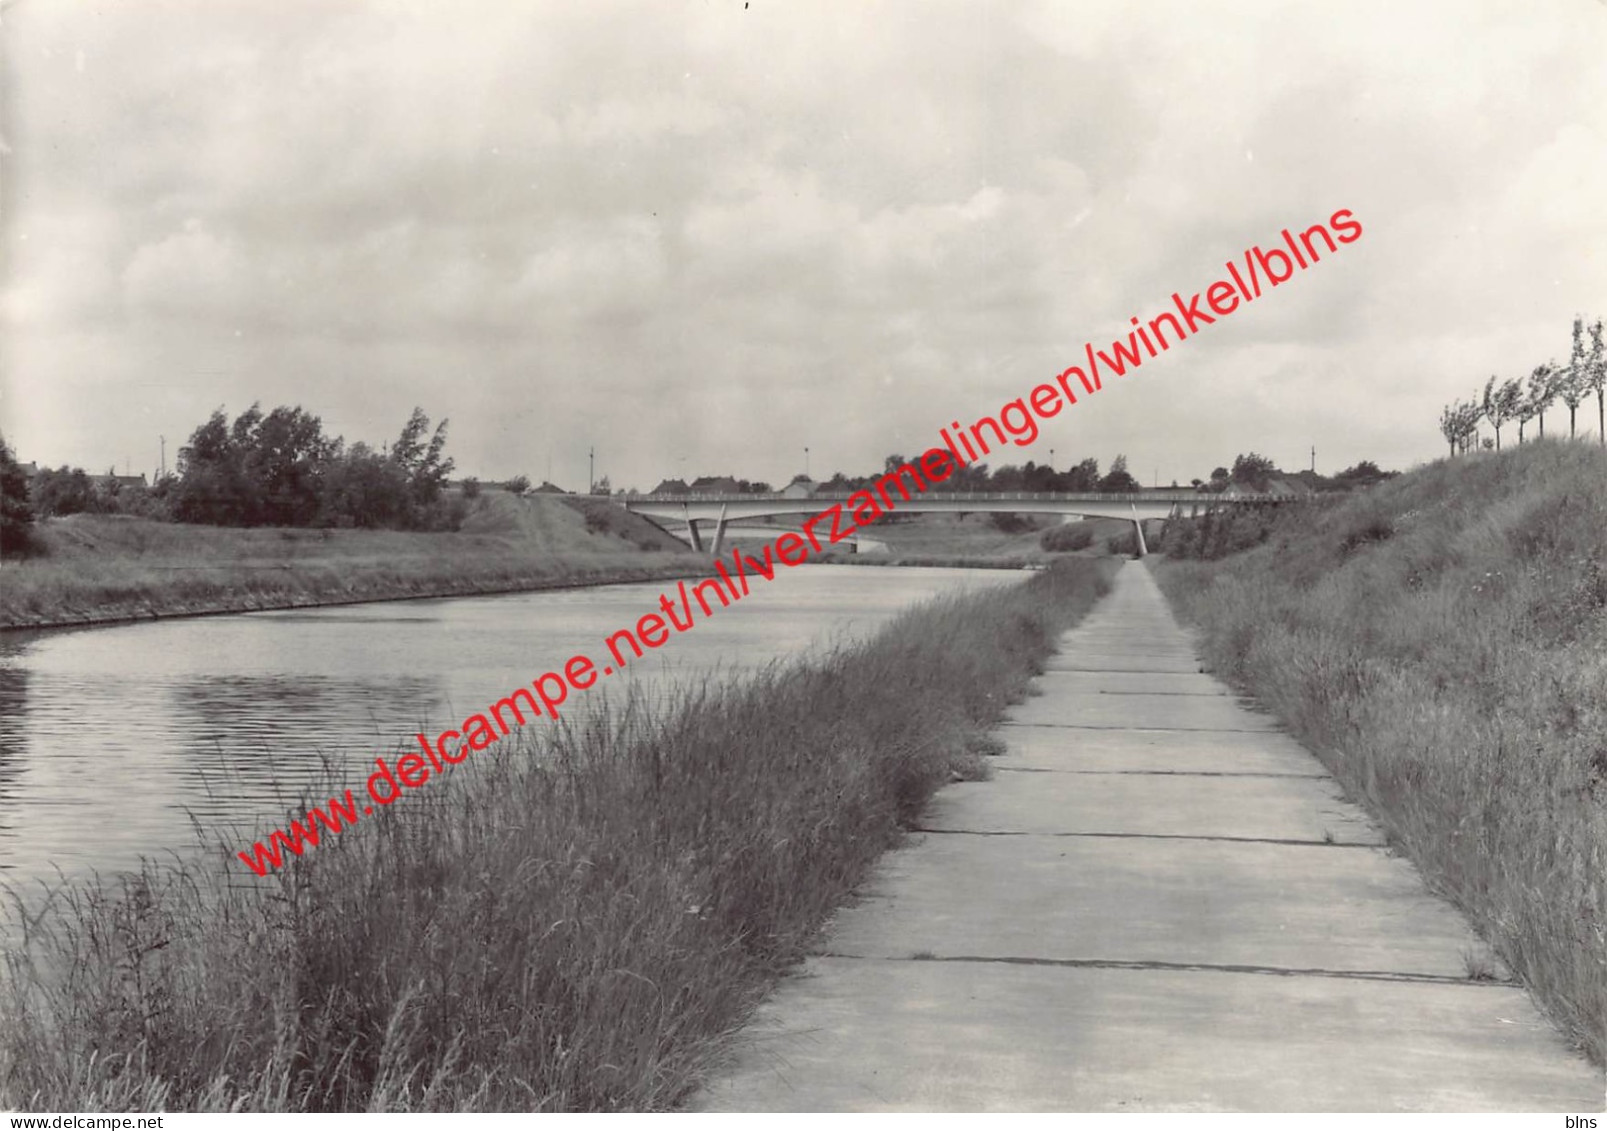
x=1441 y=642
x=94 y=568
x=574 y=923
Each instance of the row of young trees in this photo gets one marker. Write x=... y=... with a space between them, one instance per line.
x=1518 y=402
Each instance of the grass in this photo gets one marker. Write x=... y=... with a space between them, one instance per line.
x=976 y=540
x=575 y=920
x=1440 y=641
x=103 y=567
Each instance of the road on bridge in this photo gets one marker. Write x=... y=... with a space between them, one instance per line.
x=1161 y=902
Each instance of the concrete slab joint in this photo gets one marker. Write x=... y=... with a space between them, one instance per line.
x=1161 y=902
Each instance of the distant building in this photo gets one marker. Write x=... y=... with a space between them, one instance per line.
x=801 y=488
x=117 y=482
x=715 y=485
x=671 y=487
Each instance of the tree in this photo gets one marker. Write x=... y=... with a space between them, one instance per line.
x=1542 y=391
x=519 y=484
x=1083 y=477
x=64 y=491
x=1500 y=404
x=285 y=459
x=1253 y=471
x=1451 y=426
x=1458 y=423
x=211 y=486
x=422 y=464
x=16 y=513
x=1574 y=381
x=1363 y=474
x=1471 y=414
x=1525 y=409
x=1596 y=379
x=1117 y=478
x=365 y=488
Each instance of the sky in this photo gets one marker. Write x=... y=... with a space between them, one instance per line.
x=702 y=236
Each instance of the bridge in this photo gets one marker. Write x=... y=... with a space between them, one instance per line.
x=1130 y=506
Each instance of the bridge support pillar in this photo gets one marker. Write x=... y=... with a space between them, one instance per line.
x=1138 y=535
x=719 y=531
x=692 y=534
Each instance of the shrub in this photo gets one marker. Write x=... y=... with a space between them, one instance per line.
x=1066 y=539
x=1125 y=542
x=16 y=511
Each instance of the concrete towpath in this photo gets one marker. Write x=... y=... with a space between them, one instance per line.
x=1160 y=902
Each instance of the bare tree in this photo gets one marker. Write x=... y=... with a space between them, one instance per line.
x=1500 y=404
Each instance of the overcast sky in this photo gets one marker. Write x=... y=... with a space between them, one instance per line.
x=705 y=235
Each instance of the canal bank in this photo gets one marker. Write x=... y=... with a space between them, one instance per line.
x=310 y=589
x=1162 y=902
x=110 y=569
x=633 y=885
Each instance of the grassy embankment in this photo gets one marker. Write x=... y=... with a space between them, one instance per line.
x=101 y=568
x=575 y=922
x=984 y=541
x=1441 y=642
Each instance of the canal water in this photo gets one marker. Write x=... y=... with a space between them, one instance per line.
x=114 y=740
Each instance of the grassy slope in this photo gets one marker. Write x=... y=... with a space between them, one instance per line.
x=110 y=567
x=970 y=539
x=1441 y=641
x=571 y=921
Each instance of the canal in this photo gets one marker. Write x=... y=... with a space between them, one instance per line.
x=115 y=743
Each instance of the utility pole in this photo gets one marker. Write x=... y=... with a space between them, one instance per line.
x=164 y=456
x=1051 y=459
x=1314 y=459
x=806 y=463
x=591 y=470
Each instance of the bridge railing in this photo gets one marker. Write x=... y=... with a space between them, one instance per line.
x=1161 y=496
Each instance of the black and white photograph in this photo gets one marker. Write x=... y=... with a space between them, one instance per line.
x=859 y=556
